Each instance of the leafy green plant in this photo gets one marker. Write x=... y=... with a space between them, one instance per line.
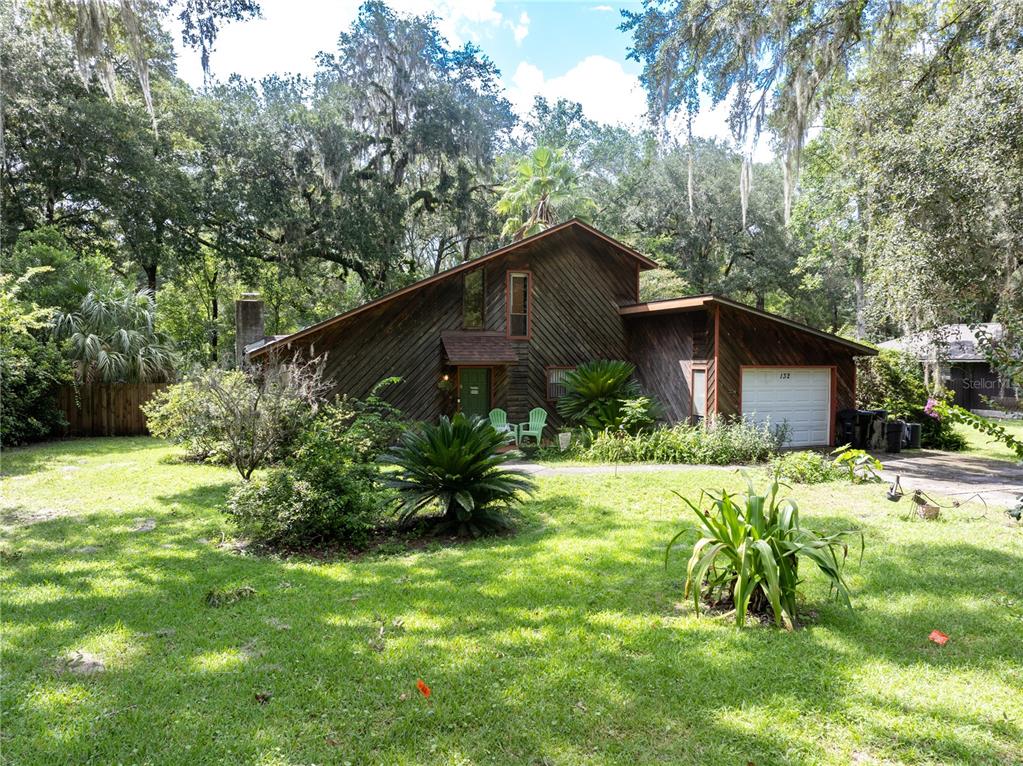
x=603 y=394
x=455 y=465
x=723 y=442
x=747 y=557
x=860 y=465
x=805 y=467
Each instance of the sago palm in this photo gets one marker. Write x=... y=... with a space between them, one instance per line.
x=111 y=339
x=454 y=464
x=596 y=392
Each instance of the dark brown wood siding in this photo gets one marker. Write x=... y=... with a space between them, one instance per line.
x=664 y=349
x=747 y=340
x=577 y=286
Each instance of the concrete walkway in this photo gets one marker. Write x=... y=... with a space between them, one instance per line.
x=947 y=473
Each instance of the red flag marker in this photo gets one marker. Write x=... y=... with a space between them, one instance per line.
x=424 y=689
x=938 y=637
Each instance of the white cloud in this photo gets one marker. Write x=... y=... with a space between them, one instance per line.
x=606 y=91
x=603 y=8
x=289 y=34
x=520 y=30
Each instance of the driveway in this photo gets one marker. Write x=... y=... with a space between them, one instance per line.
x=999 y=482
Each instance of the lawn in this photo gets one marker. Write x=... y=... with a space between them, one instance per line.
x=981 y=444
x=566 y=643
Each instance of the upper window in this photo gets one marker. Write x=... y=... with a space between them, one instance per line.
x=519 y=298
x=472 y=300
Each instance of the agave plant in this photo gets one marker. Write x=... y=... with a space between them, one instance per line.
x=603 y=394
x=749 y=551
x=455 y=465
x=111 y=339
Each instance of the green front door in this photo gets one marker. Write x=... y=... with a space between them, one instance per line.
x=474 y=391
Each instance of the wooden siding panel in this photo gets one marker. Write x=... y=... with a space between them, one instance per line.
x=749 y=340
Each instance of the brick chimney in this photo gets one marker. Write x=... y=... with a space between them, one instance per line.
x=248 y=324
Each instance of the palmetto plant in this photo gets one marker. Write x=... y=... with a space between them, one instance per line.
x=111 y=339
x=455 y=465
x=749 y=551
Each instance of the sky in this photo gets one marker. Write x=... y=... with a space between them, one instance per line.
x=559 y=49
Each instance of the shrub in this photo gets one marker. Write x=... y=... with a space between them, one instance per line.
x=31 y=371
x=860 y=466
x=185 y=416
x=717 y=443
x=327 y=490
x=455 y=465
x=356 y=430
x=806 y=467
x=894 y=381
x=308 y=502
x=250 y=417
x=748 y=555
x=603 y=394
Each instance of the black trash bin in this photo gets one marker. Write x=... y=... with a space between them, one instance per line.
x=915 y=434
x=894 y=433
x=873 y=435
x=848 y=430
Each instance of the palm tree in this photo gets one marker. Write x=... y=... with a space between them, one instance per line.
x=112 y=339
x=543 y=190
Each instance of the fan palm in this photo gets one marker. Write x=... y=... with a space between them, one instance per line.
x=455 y=464
x=112 y=339
x=544 y=190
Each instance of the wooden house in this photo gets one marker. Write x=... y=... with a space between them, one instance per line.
x=503 y=329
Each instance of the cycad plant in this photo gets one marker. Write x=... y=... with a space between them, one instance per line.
x=111 y=339
x=455 y=465
x=749 y=551
x=603 y=394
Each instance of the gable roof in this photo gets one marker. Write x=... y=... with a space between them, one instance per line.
x=951 y=342
x=694 y=302
x=573 y=224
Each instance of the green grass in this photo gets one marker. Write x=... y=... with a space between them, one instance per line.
x=981 y=444
x=564 y=644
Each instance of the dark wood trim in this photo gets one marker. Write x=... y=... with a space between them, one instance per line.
x=529 y=304
x=717 y=347
x=832 y=387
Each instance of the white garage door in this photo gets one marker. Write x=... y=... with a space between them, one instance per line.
x=798 y=396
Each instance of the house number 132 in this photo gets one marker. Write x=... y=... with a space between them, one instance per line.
x=784 y=375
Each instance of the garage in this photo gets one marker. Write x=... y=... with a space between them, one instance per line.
x=798 y=396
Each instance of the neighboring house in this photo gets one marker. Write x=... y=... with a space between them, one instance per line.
x=954 y=353
x=503 y=329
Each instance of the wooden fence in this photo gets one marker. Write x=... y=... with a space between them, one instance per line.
x=106 y=410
